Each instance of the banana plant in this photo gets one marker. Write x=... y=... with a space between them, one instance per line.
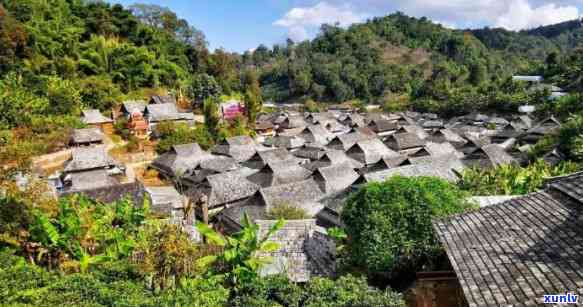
x=241 y=256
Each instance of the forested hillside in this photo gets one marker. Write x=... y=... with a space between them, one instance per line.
x=403 y=60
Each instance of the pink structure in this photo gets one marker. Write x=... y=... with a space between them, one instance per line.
x=232 y=109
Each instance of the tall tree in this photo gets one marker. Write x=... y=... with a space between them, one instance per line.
x=211 y=115
x=253 y=100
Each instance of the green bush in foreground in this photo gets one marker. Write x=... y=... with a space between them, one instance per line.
x=389 y=223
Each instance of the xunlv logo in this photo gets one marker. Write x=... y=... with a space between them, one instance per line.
x=566 y=298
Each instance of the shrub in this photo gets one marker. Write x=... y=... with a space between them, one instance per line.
x=286 y=212
x=571 y=138
x=389 y=223
x=512 y=179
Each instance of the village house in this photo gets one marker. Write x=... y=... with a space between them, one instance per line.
x=404 y=141
x=138 y=125
x=86 y=137
x=545 y=127
x=278 y=173
x=383 y=127
x=180 y=161
x=488 y=156
x=305 y=251
x=335 y=178
x=240 y=148
x=88 y=168
x=211 y=166
x=93 y=118
x=345 y=141
x=301 y=194
x=288 y=142
x=447 y=169
x=370 y=151
x=262 y=158
x=162 y=99
x=513 y=253
x=447 y=135
x=223 y=189
x=157 y=113
x=316 y=134
x=128 y=107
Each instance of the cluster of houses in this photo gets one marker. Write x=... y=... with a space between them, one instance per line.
x=309 y=161
x=141 y=116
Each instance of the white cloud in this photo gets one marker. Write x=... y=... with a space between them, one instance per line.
x=511 y=14
x=300 y=20
x=521 y=15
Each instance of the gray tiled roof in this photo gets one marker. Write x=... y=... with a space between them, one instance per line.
x=162 y=99
x=512 y=253
x=370 y=151
x=316 y=134
x=447 y=135
x=304 y=251
x=130 y=106
x=278 y=173
x=345 y=141
x=402 y=141
x=93 y=116
x=88 y=158
x=304 y=194
x=336 y=177
x=440 y=170
x=108 y=194
x=91 y=180
x=240 y=148
x=165 y=111
x=225 y=188
x=181 y=160
x=86 y=135
x=383 y=125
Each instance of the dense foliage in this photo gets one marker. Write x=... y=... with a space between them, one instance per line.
x=512 y=179
x=389 y=223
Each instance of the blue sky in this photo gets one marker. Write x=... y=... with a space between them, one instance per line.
x=239 y=25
